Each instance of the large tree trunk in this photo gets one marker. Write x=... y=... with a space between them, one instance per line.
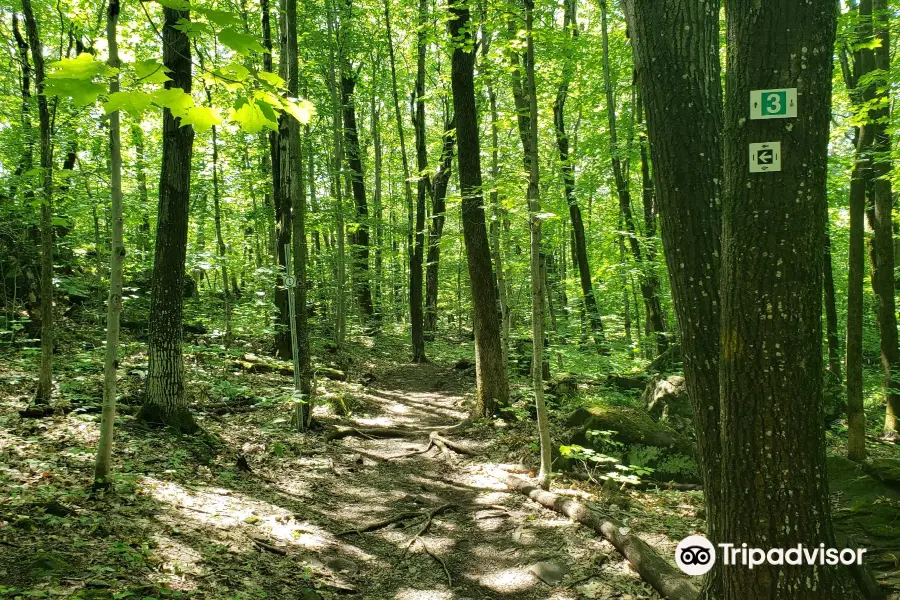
x=165 y=402
x=416 y=257
x=283 y=197
x=45 y=382
x=568 y=175
x=438 y=216
x=359 y=240
x=294 y=199
x=880 y=219
x=116 y=263
x=684 y=119
x=771 y=290
x=652 y=307
x=490 y=371
x=498 y=214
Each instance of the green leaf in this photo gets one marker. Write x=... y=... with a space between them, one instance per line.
x=267 y=104
x=271 y=78
x=302 y=110
x=201 y=117
x=81 y=92
x=233 y=72
x=192 y=29
x=82 y=68
x=175 y=4
x=219 y=17
x=175 y=99
x=241 y=43
x=250 y=116
x=135 y=103
x=151 y=71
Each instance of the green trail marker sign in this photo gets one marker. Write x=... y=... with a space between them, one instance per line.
x=773 y=104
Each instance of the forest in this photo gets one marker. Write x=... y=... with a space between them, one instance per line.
x=433 y=299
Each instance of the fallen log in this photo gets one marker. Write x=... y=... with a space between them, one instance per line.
x=652 y=568
x=39 y=411
x=256 y=365
x=332 y=374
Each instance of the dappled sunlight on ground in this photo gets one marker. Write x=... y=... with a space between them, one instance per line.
x=414 y=594
x=506 y=581
x=186 y=516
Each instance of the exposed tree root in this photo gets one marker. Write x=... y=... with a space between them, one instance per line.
x=267 y=546
x=404 y=516
x=455 y=446
x=371 y=433
x=414 y=452
x=444 y=444
x=438 y=559
x=650 y=566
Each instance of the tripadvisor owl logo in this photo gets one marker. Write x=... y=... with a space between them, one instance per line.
x=695 y=555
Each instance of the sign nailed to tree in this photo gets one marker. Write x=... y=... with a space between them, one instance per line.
x=765 y=157
x=773 y=104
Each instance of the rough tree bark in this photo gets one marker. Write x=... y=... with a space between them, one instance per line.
x=771 y=292
x=165 y=402
x=490 y=370
x=416 y=258
x=680 y=81
x=45 y=382
x=116 y=263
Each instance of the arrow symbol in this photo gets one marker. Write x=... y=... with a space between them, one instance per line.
x=764 y=157
x=792 y=104
x=764 y=168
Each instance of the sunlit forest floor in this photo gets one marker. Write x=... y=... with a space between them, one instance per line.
x=253 y=509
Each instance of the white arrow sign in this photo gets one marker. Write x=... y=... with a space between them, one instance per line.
x=765 y=157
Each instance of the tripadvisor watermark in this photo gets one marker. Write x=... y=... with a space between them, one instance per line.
x=695 y=555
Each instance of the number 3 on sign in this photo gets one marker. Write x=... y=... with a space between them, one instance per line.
x=773 y=104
